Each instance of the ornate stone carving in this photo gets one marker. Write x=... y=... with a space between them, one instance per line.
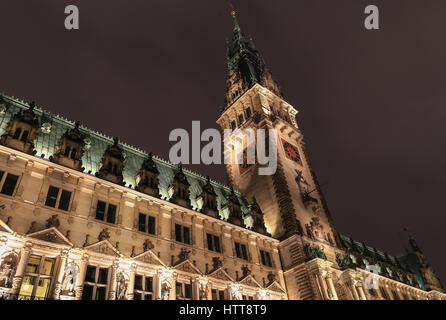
x=71 y=273
x=104 y=234
x=314 y=252
x=122 y=282
x=8 y=267
x=53 y=221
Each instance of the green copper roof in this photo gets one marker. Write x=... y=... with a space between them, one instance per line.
x=46 y=145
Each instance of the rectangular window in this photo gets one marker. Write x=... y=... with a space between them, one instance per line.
x=233 y=125
x=240 y=118
x=143 y=288
x=265 y=258
x=182 y=234
x=64 y=201
x=146 y=223
x=51 y=197
x=95 y=283
x=106 y=212
x=184 y=291
x=57 y=197
x=248 y=112
x=213 y=243
x=241 y=251
x=218 y=294
x=37 y=279
x=9 y=184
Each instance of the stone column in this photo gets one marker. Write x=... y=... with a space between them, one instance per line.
x=321 y=280
x=112 y=284
x=331 y=286
x=60 y=273
x=131 y=285
x=79 y=285
x=20 y=271
x=354 y=290
x=361 y=292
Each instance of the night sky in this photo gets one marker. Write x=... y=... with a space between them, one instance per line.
x=371 y=103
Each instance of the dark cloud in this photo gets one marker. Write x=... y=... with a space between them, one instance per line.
x=371 y=103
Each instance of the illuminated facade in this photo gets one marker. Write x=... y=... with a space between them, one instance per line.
x=83 y=216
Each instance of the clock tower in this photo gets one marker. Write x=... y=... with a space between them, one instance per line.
x=290 y=199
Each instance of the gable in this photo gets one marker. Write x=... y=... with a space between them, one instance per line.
x=221 y=274
x=250 y=281
x=149 y=257
x=187 y=266
x=104 y=247
x=275 y=287
x=51 y=235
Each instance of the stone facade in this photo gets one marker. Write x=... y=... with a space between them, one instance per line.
x=84 y=216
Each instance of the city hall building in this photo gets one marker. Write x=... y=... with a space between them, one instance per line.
x=85 y=216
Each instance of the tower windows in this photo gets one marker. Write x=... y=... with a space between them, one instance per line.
x=95 y=285
x=248 y=112
x=67 y=151
x=9 y=184
x=17 y=133
x=106 y=212
x=58 y=197
x=233 y=125
x=146 y=223
x=182 y=234
x=240 y=251
x=24 y=135
x=240 y=119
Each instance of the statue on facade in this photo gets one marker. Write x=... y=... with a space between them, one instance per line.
x=69 y=279
x=203 y=291
x=165 y=290
x=216 y=263
x=147 y=245
x=104 y=234
x=121 y=286
x=53 y=221
x=7 y=270
x=245 y=270
x=184 y=254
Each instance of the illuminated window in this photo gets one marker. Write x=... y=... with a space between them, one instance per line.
x=143 y=289
x=59 y=198
x=37 y=279
x=95 y=283
x=106 y=212
x=240 y=251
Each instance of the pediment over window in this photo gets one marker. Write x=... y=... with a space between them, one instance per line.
x=221 y=274
x=275 y=287
x=51 y=235
x=149 y=257
x=104 y=247
x=187 y=266
x=250 y=281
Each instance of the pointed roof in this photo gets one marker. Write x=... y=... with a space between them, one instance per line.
x=104 y=247
x=149 y=257
x=249 y=280
x=220 y=274
x=51 y=235
x=188 y=267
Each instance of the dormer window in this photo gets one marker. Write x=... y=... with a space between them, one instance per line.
x=70 y=149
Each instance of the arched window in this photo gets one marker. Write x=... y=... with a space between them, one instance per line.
x=24 y=135
x=73 y=154
x=115 y=169
x=67 y=151
x=17 y=133
x=109 y=167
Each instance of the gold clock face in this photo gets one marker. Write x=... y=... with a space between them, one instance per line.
x=291 y=152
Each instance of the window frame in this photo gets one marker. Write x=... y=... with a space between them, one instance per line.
x=182 y=234
x=147 y=224
x=183 y=284
x=212 y=244
x=266 y=258
x=96 y=283
x=57 y=203
x=106 y=212
x=143 y=291
x=241 y=251
x=3 y=178
x=39 y=276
